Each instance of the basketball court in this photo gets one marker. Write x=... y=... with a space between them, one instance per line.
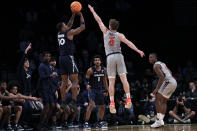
x=169 y=127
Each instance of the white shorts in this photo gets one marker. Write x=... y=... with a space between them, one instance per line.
x=167 y=88
x=115 y=64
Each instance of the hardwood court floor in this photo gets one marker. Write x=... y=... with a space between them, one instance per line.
x=171 y=127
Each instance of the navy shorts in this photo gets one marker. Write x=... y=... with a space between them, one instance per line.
x=67 y=65
x=97 y=96
x=47 y=96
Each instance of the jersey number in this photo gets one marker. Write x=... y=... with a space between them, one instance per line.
x=111 y=41
x=61 y=41
x=99 y=79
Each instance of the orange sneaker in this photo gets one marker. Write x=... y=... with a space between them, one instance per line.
x=128 y=103
x=112 y=107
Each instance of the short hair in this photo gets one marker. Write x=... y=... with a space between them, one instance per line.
x=52 y=59
x=11 y=84
x=59 y=26
x=154 y=54
x=46 y=52
x=1 y=82
x=26 y=59
x=97 y=56
x=114 y=24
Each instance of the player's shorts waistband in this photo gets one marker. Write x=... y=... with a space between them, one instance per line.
x=113 y=53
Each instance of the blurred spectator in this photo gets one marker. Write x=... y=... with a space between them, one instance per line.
x=182 y=110
x=24 y=73
x=192 y=93
x=149 y=110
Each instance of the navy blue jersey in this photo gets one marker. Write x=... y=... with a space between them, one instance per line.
x=44 y=76
x=66 y=46
x=96 y=80
x=55 y=80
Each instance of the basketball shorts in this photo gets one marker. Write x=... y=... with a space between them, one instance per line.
x=67 y=65
x=115 y=64
x=168 y=87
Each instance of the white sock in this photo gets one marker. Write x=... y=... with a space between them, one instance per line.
x=160 y=116
x=128 y=95
x=111 y=98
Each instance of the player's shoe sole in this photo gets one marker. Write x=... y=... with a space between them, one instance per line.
x=128 y=103
x=112 y=109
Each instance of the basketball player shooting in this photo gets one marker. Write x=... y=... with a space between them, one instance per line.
x=66 y=60
x=115 y=59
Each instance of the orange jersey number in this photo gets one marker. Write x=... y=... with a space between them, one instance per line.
x=111 y=41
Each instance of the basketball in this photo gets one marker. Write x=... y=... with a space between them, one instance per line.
x=75 y=6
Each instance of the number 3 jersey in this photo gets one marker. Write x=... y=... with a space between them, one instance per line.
x=96 y=79
x=66 y=46
x=112 y=42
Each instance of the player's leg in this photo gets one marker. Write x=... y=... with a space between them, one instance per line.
x=75 y=86
x=126 y=87
x=164 y=93
x=63 y=87
x=121 y=68
x=89 y=110
x=111 y=72
x=111 y=95
x=91 y=95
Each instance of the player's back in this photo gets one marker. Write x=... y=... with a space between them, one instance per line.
x=112 y=42
x=66 y=46
x=165 y=70
x=96 y=80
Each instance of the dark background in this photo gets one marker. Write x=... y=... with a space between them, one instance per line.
x=167 y=27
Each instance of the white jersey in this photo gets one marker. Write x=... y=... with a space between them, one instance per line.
x=165 y=70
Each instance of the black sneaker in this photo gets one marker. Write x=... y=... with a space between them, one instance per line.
x=71 y=125
x=18 y=127
x=86 y=125
x=53 y=126
x=73 y=105
x=65 y=125
x=9 y=128
x=103 y=125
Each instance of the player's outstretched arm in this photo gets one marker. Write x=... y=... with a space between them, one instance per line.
x=79 y=29
x=130 y=44
x=98 y=20
x=70 y=22
x=157 y=69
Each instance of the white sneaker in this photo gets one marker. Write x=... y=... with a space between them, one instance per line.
x=175 y=121
x=157 y=124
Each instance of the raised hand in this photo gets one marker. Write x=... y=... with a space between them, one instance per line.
x=91 y=8
x=28 y=48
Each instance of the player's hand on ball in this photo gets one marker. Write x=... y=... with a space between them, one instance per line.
x=79 y=13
